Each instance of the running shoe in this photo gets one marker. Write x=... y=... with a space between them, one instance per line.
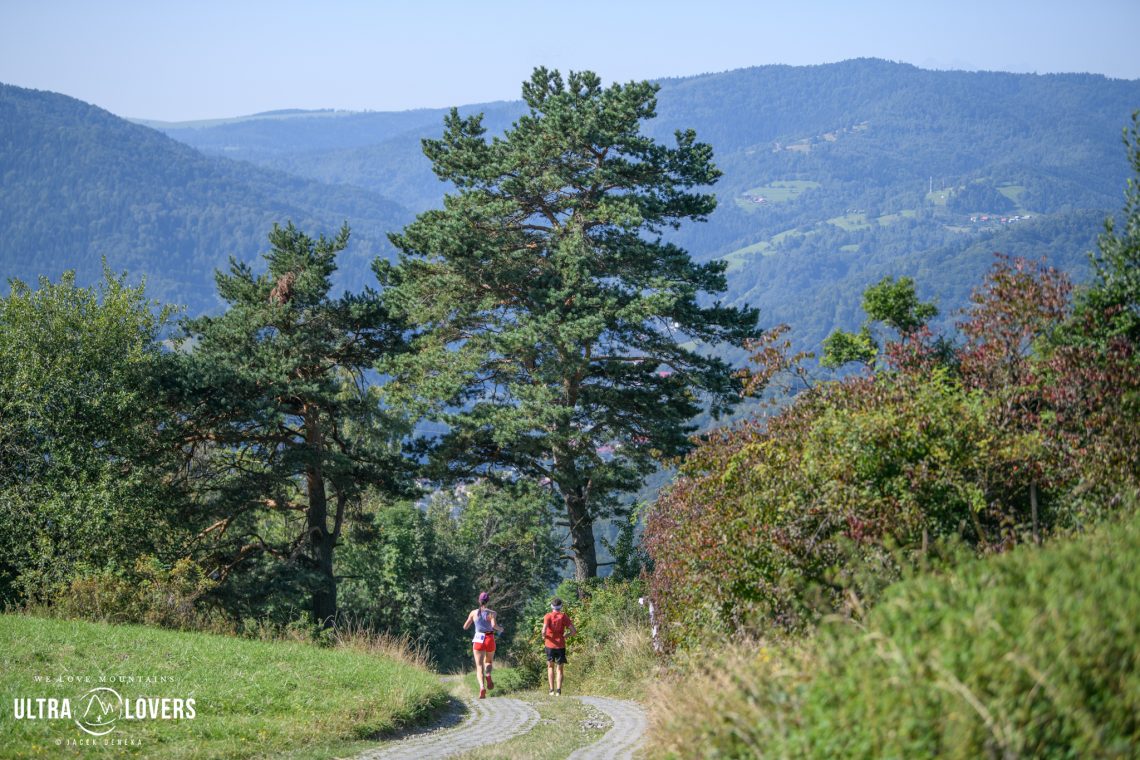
x=482 y=694
x=490 y=683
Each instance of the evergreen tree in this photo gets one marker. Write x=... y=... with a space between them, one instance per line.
x=280 y=416
x=556 y=334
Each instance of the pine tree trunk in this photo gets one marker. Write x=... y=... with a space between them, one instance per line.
x=581 y=539
x=320 y=542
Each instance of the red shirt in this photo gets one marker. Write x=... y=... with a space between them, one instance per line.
x=555 y=624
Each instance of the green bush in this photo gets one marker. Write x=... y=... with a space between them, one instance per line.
x=1035 y=653
x=400 y=577
x=612 y=652
x=773 y=520
x=149 y=595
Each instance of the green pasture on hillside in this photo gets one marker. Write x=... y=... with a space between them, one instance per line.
x=850 y=222
x=251 y=698
x=780 y=191
x=1014 y=193
x=738 y=258
x=887 y=219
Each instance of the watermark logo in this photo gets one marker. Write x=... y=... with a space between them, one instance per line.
x=98 y=710
x=101 y=709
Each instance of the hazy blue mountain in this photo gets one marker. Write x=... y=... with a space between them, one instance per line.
x=80 y=184
x=833 y=175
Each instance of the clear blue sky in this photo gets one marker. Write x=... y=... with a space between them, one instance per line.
x=208 y=58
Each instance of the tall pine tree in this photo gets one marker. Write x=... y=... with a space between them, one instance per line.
x=557 y=335
x=283 y=428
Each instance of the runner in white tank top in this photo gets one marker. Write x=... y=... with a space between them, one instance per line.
x=483 y=644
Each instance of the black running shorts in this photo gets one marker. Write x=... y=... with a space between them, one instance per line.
x=556 y=655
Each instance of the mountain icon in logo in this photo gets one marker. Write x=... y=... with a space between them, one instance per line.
x=97 y=711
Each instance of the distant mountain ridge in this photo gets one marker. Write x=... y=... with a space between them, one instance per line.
x=80 y=184
x=854 y=165
x=834 y=175
x=750 y=109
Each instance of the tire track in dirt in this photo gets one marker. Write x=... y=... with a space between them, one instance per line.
x=623 y=739
x=489 y=721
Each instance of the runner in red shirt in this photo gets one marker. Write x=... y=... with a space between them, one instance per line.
x=556 y=626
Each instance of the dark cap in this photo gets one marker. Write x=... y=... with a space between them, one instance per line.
x=484 y=597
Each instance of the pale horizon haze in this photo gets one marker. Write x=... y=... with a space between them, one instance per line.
x=210 y=59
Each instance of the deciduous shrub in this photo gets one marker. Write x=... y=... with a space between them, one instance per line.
x=771 y=519
x=151 y=594
x=1034 y=653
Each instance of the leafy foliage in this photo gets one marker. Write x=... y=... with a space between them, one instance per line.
x=401 y=576
x=1094 y=367
x=766 y=523
x=504 y=539
x=892 y=303
x=896 y=305
x=85 y=451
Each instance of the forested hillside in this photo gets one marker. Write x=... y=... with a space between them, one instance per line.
x=833 y=175
x=80 y=184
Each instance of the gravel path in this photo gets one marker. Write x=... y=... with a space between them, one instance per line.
x=489 y=721
x=623 y=739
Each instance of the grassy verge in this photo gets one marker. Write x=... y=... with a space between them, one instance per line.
x=1035 y=653
x=251 y=698
x=622 y=667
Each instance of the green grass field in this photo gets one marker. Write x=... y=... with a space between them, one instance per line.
x=251 y=698
x=1014 y=193
x=888 y=219
x=780 y=191
x=850 y=222
x=740 y=257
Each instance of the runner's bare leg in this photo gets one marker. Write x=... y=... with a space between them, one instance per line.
x=479 y=656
